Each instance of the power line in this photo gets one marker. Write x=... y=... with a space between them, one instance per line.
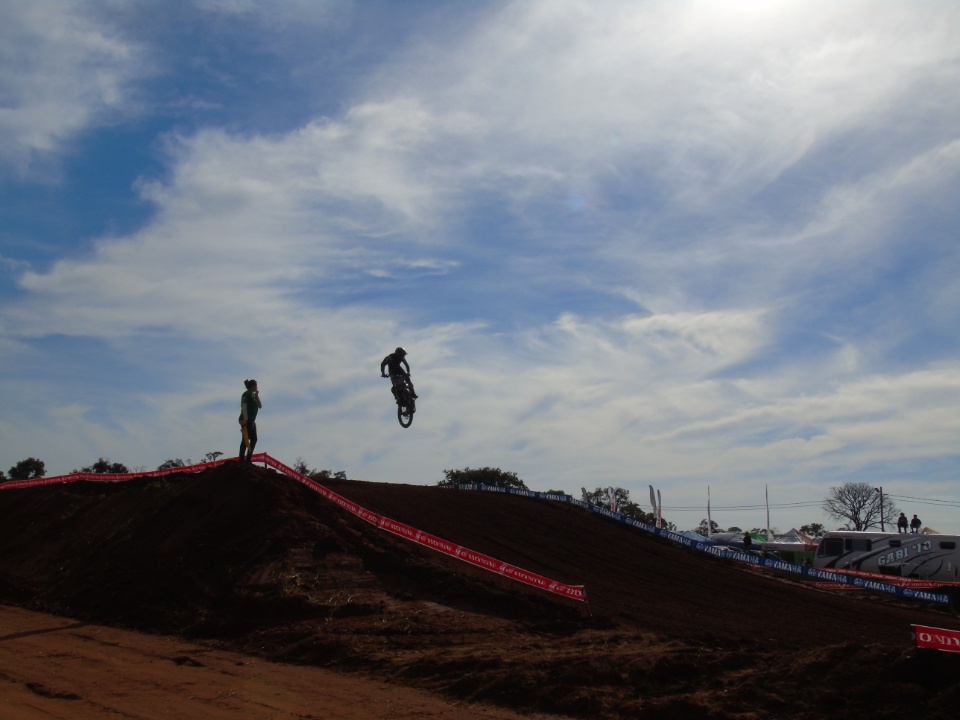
x=761 y=506
x=928 y=501
x=804 y=504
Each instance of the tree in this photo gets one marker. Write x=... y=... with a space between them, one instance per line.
x=859 y=503
x=482 y=476
x=301 y=467
x=28 y=469
x=103 y=466
x=813 y=529
x=212 y=456
x=177 y=463
x=620 y=498
x=702 y=527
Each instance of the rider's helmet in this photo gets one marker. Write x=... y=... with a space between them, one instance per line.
x=400 y=351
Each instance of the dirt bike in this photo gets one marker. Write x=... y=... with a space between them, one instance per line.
x=406 y=405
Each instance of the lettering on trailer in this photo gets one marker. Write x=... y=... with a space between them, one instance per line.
x=903 y=553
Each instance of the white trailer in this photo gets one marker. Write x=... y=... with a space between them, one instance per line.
x=924 y=556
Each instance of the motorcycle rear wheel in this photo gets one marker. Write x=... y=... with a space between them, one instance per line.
x=406 y=406
x=404 y=415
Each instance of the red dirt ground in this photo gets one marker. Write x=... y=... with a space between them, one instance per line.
x=248 y=561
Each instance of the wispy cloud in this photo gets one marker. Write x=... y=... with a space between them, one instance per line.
x=681 y=243
x=64 y=72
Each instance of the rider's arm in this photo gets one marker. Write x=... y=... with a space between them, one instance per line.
x=406 y=365
x=384 y=364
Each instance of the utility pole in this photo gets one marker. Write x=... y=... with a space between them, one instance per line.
x=880 y=490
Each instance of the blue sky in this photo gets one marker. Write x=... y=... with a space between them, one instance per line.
x=686 y=244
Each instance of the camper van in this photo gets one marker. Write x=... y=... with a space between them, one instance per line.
x=910 y=555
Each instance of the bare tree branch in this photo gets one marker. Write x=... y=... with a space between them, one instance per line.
x=859 y=505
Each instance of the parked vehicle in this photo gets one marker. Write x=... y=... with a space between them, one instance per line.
x=910 y=555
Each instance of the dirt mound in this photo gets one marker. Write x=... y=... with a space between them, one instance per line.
x=249 y=559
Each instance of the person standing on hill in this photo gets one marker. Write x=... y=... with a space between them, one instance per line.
x=902 y=523
x=249 y=406
x=915 y=524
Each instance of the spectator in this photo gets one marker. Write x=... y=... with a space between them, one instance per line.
x=915 y=524
x=747 y=542
x=249 y=406
x=902 y=523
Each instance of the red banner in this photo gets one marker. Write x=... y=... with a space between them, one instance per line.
x=905 y=582
x=110 y=477
x=485 y=562
x=936 y=638
x=909 y=584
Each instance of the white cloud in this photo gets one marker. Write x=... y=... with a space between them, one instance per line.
x=665 y=123
x=708 y=100
x=60 y=74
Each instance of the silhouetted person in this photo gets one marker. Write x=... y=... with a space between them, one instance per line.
x=249 y=406
x=747 y=542
x=902 y=523
x=915 y=524
x=398 y=367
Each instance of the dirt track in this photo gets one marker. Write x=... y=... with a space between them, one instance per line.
x=51 y=667
x=255 y=563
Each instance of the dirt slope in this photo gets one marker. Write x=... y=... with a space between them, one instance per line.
x=252 y=561
x=53 y=668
